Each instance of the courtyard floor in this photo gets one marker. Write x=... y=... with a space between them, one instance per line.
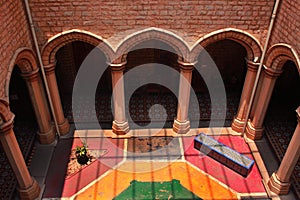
x=166 y=162
x=121 y=163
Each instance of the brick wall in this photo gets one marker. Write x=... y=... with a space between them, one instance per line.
x=104 y=18
x=194 y=17
x=14 y=34
x=287 y=25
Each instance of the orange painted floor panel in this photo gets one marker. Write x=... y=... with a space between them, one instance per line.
x=118 y=180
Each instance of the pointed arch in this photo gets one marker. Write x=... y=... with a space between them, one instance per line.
x=249 y=42
x=56 y=42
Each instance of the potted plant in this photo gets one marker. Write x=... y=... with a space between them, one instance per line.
x=82 y=154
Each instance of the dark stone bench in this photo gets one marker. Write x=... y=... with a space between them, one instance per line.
x=223 y=154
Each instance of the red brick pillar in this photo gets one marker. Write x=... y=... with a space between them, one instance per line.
x=63 y=123
x=120 y=124
x=28 y=188
x=46 y=133
x=280 y=180
x=182 y=124
x=254 y=127
x=240 y=118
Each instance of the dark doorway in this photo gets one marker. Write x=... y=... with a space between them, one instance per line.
x=148 y=95
x=229 y=56
x=69 y=59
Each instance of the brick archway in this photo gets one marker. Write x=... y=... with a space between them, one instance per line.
x=26 y=60
x=61 y=39
x=173 y=40
x=278 y=54
x=249 y=42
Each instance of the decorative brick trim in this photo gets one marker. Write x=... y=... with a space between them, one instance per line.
x=177 y=43
x=61 y=39
x=278 y=54
x=26 y=60
x=248 y=41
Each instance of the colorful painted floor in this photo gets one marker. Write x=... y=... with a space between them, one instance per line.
x=149 y=168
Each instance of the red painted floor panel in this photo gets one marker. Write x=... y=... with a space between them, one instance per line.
x=251 y=184
x=58 y=186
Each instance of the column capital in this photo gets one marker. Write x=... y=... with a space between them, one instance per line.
x=6 y=127
x=49 y=69
x=186 y=66
x=252 y=66
x=31 y=76
x=271 y=73
x=6 y=117
x=117 y=66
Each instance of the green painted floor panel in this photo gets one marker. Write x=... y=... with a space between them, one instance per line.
x=156 y=190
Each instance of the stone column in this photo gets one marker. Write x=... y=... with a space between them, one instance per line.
x=120 y=124
x=46 y=133
x=254 y=127
x=28 y=188
x=280 y=181
x=240 y=118
x=182 y=124
x=63 y=123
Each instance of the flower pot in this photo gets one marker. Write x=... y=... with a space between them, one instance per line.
x=82 y=159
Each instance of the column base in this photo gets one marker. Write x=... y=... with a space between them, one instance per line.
x=237 y=125
x=30 y=193
x=64 y=128
x=47 y=137
x=253 y=133
x=120 y=128
x=181 y=127
x=277 y=186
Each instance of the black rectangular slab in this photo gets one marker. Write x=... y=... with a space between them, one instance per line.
x=223 y=154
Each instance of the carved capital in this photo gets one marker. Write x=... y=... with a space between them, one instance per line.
x=117 y=67
x=49 y=69
x=252 y=66
x=272 y=73
x=186 y=66
x=6 y=127
x=31 y=76
x=6 y=117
